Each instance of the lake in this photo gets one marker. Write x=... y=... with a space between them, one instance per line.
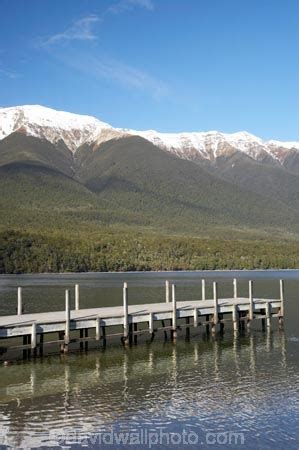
x=227 y=391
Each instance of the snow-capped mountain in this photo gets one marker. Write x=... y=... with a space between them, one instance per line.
x=208 y=145
x=76 y=130
x=46 y=123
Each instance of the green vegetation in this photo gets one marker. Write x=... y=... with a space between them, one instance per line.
x=131 y=206
x=119 y=251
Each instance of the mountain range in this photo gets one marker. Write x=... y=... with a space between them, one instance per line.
x=57 y=167
x=75 y=130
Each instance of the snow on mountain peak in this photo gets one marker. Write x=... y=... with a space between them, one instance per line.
x=206 y=144
x=47 y=123
x=75 y=130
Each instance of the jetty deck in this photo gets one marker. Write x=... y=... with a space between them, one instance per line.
x=170 y=315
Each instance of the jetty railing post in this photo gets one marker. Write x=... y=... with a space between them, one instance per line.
x=20 y=307
x=167 y=299
x=126 y=314
x=203 y=289
x=235 y=288
x=67 y=320
x=215 y=298
x=174 y=319
x=77 y=297
x=281 y=310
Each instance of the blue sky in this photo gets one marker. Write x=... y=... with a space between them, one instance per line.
x=169 y=65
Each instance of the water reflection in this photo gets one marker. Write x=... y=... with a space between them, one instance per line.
x=234 y=381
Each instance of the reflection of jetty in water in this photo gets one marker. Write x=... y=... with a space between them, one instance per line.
x=91 y=392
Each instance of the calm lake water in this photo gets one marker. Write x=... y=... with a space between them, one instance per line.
x=223 y=392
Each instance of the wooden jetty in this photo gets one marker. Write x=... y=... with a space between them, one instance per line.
x=172 y=315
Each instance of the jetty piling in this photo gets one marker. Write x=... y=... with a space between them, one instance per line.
x=281 y=309
x=174 y=314
x=215 y=315
x=126 y=315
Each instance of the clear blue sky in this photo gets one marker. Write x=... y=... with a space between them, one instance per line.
x=169 y=65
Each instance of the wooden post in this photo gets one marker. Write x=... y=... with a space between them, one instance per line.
x=135 y=329
x=174 y=332
x=151 y=323
x=187 y=329
x=86 y=341
x=221 y=323
x=203 y=289
x=242 y=322
x=98 y=328
x=281 y=309
x=235 y=288
x=167 y=291
x=165 y=331
x=41 y=344
x=77 y=297
x=61 y=338
x=215 y=297
x=67 y=320
x=263 y=312
x=126 y=316
x=251 y=305
x=268 y=314
x=235 y=317
x=25 y=342
x=29 y=342
x=195 y=317
x=33 y=335
x=104 y=336
x=208 y=324
x=130 y=333
x=81 y=337
x=20 y=308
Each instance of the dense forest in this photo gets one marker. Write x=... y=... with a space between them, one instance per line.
x=130 y=206
x=127 y=251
